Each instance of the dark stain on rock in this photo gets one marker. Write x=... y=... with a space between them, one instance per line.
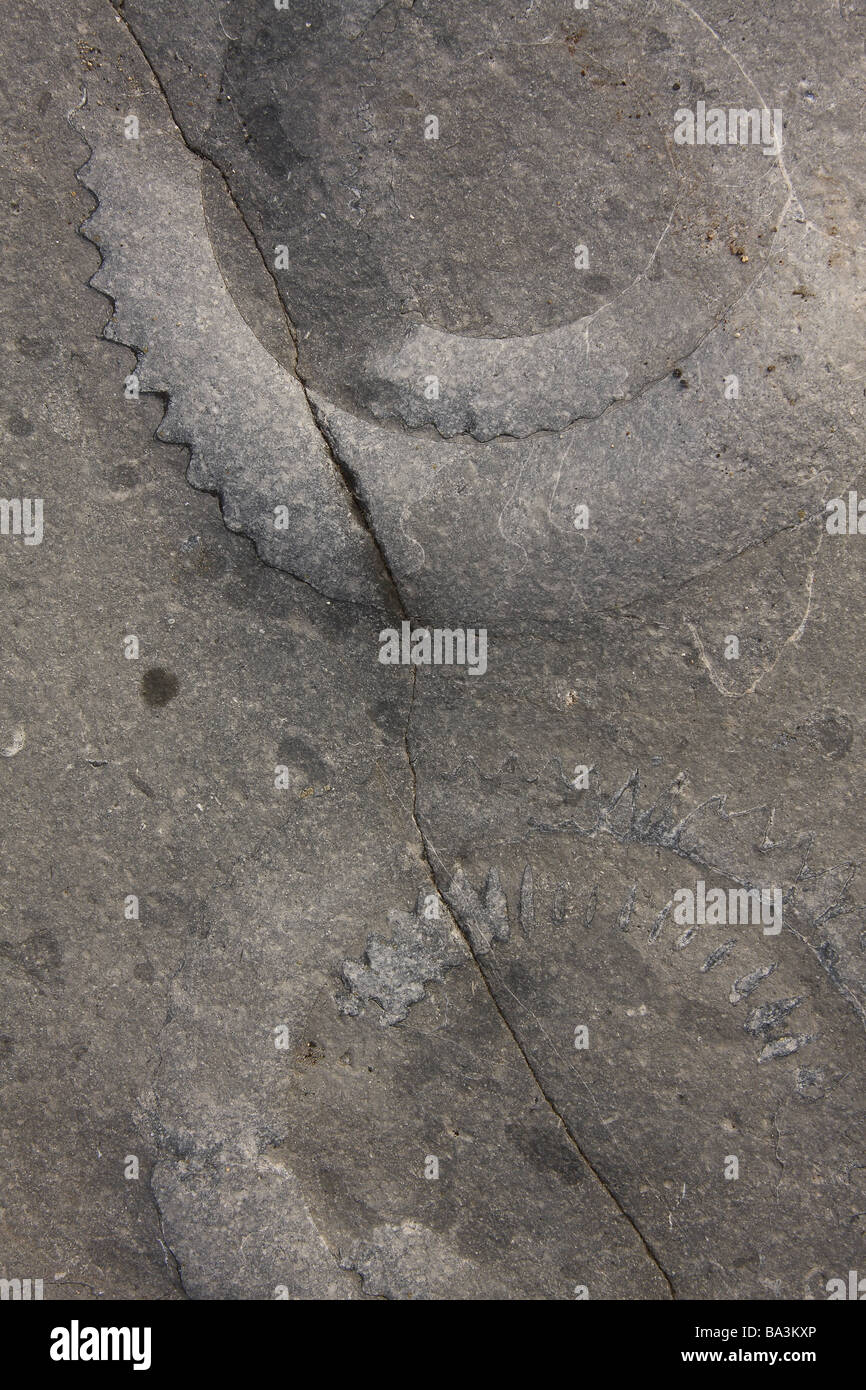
x=37 y=349
x=303 y=759
x=546 y=1150
x=39 y=955
x=386 y=715
x=124 y=477
x=158 y=686
x=831 y=732
x=140 y=785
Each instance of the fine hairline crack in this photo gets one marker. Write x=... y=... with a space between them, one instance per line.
x=435 y=878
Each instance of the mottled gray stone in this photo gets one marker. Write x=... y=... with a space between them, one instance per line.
x=455 y=256
x=409 y=1010
x=673 y=1078
x=252 y=442
x=394 y=975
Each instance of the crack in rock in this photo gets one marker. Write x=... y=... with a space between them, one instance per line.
x=252 y=438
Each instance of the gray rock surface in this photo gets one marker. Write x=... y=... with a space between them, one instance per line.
x=379 y=972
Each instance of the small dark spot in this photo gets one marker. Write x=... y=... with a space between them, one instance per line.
x=158 y=686
x=303 y=761
x=34 y=347
x=677 y=372
x=19 y=425
x=145 y=972
x=831 y=732
x=657 y=41
x=124 y=476
x=545 y=1150
x=140 y=785
x=384 y=714
x=39 y=954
